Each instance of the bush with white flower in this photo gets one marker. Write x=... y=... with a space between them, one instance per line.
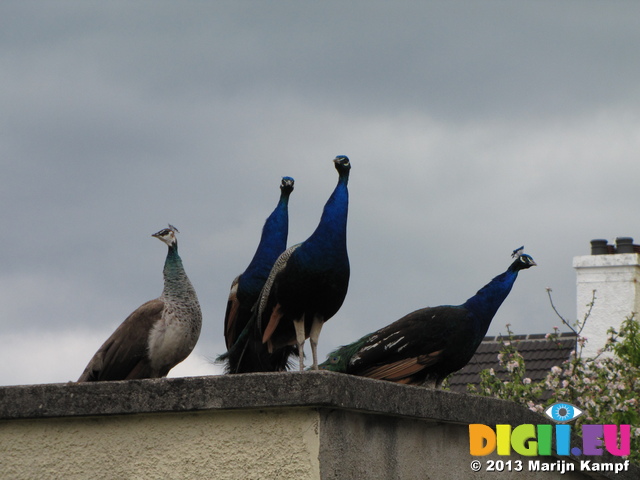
x=605 y=387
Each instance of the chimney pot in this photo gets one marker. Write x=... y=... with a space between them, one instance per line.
x=624 y=245
x=599 y=247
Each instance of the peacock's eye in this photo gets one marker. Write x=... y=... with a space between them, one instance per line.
x=335 y=359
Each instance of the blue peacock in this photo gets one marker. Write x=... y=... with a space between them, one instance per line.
x=159 y=334
x=425 y=346
x=245 y=351
x=309 y=281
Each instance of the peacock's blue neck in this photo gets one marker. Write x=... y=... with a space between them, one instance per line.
x=331 y=232
x=487 y=301
x=272 y=243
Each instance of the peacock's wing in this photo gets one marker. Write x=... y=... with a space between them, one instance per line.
x=269 y=311
x=410 y=345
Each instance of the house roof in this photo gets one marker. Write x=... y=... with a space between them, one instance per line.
x=540 y=354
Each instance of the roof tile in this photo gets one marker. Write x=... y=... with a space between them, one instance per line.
x=539 y=353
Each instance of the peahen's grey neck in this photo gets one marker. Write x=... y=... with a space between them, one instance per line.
x=177 y=286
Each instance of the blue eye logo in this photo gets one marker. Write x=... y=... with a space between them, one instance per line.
x=563 y=412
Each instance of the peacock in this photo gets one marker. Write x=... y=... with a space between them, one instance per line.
x=250 y=354
x=158 y=335
x=425 y=346
x=309 y=281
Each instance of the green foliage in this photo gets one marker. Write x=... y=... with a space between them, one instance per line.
x=514 y=385
x=628 y=349
x=605 y=387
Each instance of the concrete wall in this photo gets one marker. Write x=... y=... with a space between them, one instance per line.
x=233 y=445
x=311 y=425
x=616 y=280
x=365 y=446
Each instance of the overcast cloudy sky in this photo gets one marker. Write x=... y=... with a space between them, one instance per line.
x=472 y=128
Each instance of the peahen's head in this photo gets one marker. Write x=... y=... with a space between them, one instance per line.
x=167 y=235
x=342 y=164
x=287 y=184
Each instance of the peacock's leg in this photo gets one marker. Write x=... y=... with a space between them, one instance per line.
x=300 y=338
x=316 y=326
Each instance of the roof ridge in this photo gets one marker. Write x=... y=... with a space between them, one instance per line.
x=526 y=336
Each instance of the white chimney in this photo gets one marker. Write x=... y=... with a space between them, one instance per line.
x=614 y=273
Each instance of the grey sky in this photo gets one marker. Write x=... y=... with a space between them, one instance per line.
x=472 y=128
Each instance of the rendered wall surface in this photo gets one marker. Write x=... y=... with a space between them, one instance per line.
x=275 y=444
x=309 y=425
x=383 y=447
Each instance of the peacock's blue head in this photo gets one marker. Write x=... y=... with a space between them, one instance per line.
x=167 y=235
x=342 y=164
x=287 y=184
x=523 y=261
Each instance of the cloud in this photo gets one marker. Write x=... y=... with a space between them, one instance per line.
x=471 y=130
x=45 y=358
x=58 y=357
